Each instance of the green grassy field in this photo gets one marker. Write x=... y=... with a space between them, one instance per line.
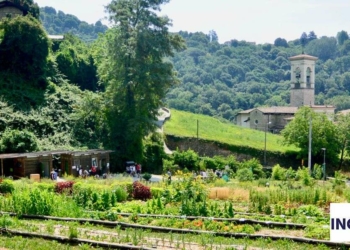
x=185 y=124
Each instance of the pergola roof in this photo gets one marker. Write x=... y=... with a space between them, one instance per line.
x=54 y=152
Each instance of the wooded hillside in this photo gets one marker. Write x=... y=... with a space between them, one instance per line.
x=57 y=22
x=74 y=93
x=222 y=79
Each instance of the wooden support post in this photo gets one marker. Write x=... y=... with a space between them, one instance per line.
x=2 y=167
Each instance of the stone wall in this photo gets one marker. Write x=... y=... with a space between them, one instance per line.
x=212 y=148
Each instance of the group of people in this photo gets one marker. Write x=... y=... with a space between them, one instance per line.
x=93 y=171
x=134 y=170
x=209 y=173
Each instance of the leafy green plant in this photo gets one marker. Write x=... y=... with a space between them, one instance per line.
x=310 y=210
x=254 y=166
x=278 y=173
x=186 y=159
x=73 y=231
x=304 y=176
x=146 y=176
x=5 y=221
x=120 y=194
x=245 y=174
x=157 y=192
x=6 y=186
x=317 y=232
x=317 y=172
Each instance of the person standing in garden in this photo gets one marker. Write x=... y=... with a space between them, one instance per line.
x=169 y=176
x=138 y=169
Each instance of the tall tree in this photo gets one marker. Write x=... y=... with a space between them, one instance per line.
x=342 y=36
x=136 y=73
x=343 y=123
x=311 y=36
x=303 y=40
x=24 y=48
x=281 y=42
x=324 y=134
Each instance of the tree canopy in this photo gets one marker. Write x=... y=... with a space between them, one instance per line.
x=324 y=134
x=135 y=72
x=24 y=48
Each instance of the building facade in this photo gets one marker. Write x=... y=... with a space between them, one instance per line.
x=302 y=93
x=9 y=8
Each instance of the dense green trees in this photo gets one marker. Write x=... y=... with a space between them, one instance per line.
x=15 y=141
x=24 y=48
x=133 y=62
x=324 y=134
x=59 y=23
x=253 y=75
x=75 y=60
x=135 y=72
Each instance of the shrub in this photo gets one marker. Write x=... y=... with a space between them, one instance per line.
x=209 y=163
x=127 y=186
x=141 y=191
x=45 y=186
x=18 y=141
x=6 y=186
x=120 y=194
x=338 y=180
x=156 y=192
x=168 y=165
x=290 y=174
x=255 y=167
x=317 y=232
x=245 y=174
x=64 y=187
x=220 y=183
x=278 y=173
x=310 y=210
x=186 y=159
x=304 y=176
x=146 y=176
x=317 y=173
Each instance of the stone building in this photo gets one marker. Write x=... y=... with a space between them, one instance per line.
x=11 y=8
x=302 y=93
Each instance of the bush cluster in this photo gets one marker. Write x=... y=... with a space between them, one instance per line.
x=141 y=191
x=64 y=187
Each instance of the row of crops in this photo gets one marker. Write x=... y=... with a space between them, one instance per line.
x=186 y=211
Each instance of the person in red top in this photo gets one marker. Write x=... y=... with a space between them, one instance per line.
x=93 y=170
x=138 y=169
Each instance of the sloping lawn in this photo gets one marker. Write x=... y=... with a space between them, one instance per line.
x=185 y=124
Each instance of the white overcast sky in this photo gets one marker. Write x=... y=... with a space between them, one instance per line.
x=260 y=21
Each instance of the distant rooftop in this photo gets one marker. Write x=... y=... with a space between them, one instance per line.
x=303 y=57
x=273 y=110
x=55 y=37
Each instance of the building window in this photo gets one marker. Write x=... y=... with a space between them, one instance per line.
x=256 y=122
x=308 y=77
x=297 y=74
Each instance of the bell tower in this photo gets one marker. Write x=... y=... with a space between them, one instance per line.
x=302 y=91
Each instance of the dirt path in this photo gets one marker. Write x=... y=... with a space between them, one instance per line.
x=164 y=115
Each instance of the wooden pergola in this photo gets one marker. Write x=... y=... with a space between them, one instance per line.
x=28 y=161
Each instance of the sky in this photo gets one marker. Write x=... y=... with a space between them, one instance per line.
x=260 y=21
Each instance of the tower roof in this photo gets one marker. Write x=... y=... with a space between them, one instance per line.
x=302 y=57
